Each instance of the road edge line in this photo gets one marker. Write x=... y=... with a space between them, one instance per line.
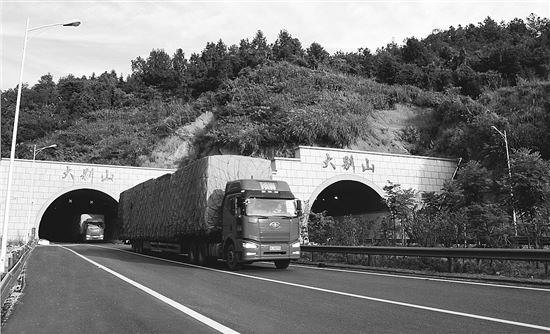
x=182 y=308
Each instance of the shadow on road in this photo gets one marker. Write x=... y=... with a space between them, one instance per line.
x=124 y=252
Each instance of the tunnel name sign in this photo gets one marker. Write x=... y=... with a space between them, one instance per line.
x=347 y=163
x=87 y=175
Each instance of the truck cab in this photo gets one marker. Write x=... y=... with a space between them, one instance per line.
x=261 y=222
x=91 y=227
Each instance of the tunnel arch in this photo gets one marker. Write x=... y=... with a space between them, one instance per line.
x=56 y=217
x=347 y=194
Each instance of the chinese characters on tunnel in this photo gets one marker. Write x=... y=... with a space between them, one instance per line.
x=348 y=163
x=86 y=175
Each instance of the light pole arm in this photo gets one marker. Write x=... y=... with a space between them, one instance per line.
x=72 y=24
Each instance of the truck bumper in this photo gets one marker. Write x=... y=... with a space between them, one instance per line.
x=94 y=237
x=253 y=251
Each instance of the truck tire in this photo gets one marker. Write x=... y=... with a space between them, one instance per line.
x=232 y=258
x=281 y=264
x=137 y=246
x=197 y=253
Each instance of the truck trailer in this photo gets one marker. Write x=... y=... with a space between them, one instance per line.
x=219 y=207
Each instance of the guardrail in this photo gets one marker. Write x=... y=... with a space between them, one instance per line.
x=15 y=263
x=542 y=255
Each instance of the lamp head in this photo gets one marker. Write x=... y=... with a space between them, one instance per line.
x=72 y=24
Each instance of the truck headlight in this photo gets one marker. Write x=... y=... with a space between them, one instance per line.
x=295 y=245
x=249 y=245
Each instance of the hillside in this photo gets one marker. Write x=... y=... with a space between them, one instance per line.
x=384 y=136
x=438 y=95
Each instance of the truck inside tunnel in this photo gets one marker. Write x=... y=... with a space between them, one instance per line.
x=58 y=221
x=348 y=197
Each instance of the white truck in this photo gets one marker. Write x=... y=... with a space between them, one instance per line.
x=90 y=227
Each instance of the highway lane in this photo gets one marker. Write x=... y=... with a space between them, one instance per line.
x=64 y=294
x=260 y=299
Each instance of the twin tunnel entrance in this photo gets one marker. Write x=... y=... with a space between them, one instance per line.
x=341 y=198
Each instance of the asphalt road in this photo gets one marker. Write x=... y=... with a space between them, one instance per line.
x=106 y=289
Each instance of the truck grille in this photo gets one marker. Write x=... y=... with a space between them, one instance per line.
x=274 y=230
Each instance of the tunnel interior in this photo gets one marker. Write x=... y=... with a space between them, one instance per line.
x=58 y=222
x=347 y=197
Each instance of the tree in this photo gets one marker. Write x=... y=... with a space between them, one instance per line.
x=180 y=69
x=530 y=184
x=387 y=68
x=402 y=205
x=158 y=70
x=316 y=55
x=254 y=53
x=287 y=48
x=45 y=91
x=414 y=52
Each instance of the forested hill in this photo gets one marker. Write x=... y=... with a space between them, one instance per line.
x=437 y=95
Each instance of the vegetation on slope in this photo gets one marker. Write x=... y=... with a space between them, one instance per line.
x=266 y=99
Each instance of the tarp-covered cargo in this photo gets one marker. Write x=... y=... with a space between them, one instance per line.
x=186 y=202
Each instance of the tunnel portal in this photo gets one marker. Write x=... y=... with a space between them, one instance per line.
x=348 y=197
x=58 y=221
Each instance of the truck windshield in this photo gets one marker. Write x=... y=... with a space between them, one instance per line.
x=270 y=207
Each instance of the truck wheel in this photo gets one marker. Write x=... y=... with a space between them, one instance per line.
x=232 y=258
x=281 y=264
x=137 y=246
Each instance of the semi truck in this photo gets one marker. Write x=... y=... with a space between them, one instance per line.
x=89 y=227
x=224 y=207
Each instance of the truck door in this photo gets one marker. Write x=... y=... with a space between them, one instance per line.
x=230 y=217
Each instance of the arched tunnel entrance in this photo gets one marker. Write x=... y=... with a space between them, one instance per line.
x=59 y=224
x=348 y=197
x=353 y=213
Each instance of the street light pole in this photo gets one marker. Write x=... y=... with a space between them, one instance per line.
x=31 y=209
x=503 y=135
x=14 y=140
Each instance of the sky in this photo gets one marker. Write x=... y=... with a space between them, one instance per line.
x=113 y=33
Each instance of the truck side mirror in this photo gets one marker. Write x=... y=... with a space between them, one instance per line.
x=299 y=210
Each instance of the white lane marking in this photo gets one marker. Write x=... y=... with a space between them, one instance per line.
x=205 y=320
x=386 y=301
x=426 y=278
